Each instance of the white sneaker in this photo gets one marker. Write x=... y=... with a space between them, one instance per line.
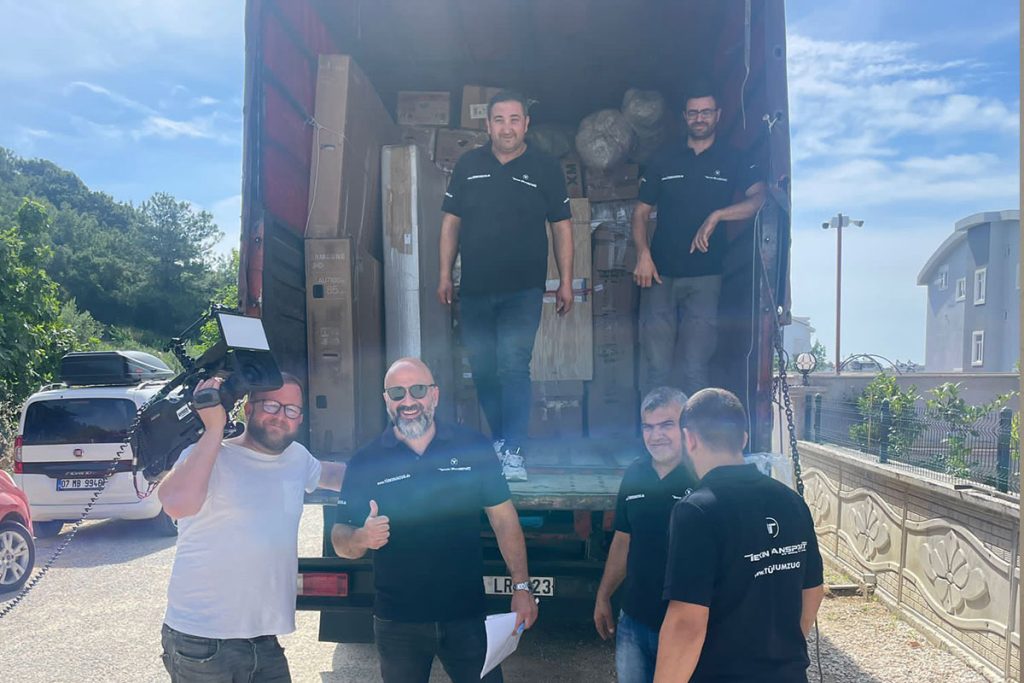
x=512 y=466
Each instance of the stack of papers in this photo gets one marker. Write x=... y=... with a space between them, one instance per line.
x=502 y=639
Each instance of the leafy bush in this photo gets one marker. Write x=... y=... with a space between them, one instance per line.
x=961 y=422
x=905 y=426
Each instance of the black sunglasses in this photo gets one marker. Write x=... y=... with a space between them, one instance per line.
x=416 y=391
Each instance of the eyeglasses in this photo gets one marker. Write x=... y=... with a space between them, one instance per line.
x=274 y=407
x=702 y=113
x=416 y=391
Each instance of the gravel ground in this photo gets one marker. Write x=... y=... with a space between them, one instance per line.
x=863 y=641
x=96 y=619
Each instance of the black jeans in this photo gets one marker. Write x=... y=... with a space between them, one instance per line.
x=498 y=331
x=194 y=659
x=407 y=650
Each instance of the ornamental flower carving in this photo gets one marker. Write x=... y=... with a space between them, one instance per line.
x=818 y=501
x=872 y=533
x=954 y=580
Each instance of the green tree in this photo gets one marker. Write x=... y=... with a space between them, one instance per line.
x=961 y=422
x=32 y=338
x=821 y=355
x=905 y=424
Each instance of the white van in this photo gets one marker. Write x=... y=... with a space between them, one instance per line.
x=71 y=432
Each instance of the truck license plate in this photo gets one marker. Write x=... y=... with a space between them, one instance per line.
x=79 y=484
x=543 y=586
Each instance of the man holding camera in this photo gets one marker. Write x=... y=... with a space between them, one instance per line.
x=413 y=496
x=238 y=503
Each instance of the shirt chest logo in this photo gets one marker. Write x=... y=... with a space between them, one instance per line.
x=717 y=177
x=454 y=462
x=392 y=480
x=525 y=180
x=635 y=496
x=480 y=176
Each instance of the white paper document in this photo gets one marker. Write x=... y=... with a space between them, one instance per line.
x=502 y=640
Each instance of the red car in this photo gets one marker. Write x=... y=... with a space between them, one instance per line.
x=17 y=549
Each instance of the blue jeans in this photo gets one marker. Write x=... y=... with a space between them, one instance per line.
x=636 y=650
x=498 y=331
x=407 y=650
x=194 y=659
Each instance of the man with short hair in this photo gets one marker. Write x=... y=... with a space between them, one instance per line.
x=649 y=489
x=694 y=184
x=413 y=496
x=744 y=575
x=238 y=504
x=495 y=208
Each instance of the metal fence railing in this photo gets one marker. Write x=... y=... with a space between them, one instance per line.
x=984 y=451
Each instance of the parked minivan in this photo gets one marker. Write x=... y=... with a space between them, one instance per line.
x=71 y=432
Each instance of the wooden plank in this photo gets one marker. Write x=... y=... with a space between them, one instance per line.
x=563 y=349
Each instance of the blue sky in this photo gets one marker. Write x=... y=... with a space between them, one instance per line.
x=904 y=114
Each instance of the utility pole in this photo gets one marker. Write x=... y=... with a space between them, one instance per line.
x=839 y=221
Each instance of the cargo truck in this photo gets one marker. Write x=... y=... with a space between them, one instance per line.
x=571 y=56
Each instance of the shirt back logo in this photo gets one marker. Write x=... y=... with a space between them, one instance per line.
x=772 y=525
x=454 y=461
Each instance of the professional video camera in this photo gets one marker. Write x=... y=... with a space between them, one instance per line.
x=169 y=423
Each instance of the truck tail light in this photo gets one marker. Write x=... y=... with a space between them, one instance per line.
x=323 y=585
x=18 y=467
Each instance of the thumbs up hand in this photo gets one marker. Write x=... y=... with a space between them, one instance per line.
x=376 y=529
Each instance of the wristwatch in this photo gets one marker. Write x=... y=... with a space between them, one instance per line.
x=524 y=586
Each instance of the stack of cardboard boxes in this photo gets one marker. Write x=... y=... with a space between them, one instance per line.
x=344 y=285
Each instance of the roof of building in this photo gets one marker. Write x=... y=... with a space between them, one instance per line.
x=960 y=234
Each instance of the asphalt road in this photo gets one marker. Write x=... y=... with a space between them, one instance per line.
x=96 y=617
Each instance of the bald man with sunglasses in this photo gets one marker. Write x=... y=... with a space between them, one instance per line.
x=413 y=496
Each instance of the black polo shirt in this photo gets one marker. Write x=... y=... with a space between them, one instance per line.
x=643 y=510
x=686 y=187
x=743 y=545
x=432 y=566
x=503 y=209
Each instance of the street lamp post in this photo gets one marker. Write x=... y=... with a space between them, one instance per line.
x=839 y=221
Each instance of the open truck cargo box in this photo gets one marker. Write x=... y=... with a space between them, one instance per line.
x=572 y=57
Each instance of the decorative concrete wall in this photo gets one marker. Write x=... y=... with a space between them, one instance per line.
x=946 y=558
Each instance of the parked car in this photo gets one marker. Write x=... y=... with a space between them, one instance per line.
x=17 y=549
x=71 y=432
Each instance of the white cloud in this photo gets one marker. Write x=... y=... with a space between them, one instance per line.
x=117 y=98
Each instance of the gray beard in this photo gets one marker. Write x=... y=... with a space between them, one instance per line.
x=413 y=428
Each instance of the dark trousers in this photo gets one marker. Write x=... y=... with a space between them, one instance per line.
x=195 y=659
x=407 y=650
x=498 y=331
x=678 y=332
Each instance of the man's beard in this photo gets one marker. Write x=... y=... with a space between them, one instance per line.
x=270 y=443
x=413 y=427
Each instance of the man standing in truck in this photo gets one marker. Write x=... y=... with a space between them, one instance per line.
x=238 y=504
x=414 y=495
x=694 y=183
x=649 y=489
x=744 y=575
x=495 y=209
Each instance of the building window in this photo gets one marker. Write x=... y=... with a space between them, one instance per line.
x=961 y=289
x=979 y=286
x=978 y=348
x=942 y=281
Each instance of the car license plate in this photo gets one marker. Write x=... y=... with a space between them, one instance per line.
x=502 y=585
x=80 y=484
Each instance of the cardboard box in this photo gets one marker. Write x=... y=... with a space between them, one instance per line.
x=424 y=108
x=423 y=137
x=622 y=182
x=452 y=144
x=344 y=184
x=572 y=168
x=344 y=295
x=613 y=247
x=556 y=410
x=474 y=106
x=562 y=349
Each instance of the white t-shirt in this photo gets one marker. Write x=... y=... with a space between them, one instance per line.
x=236 y=562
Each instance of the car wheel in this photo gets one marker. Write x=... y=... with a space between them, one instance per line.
x=17 y=556
x=164 y=525
x=47 y=529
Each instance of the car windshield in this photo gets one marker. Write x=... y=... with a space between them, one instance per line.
x=81 y=420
